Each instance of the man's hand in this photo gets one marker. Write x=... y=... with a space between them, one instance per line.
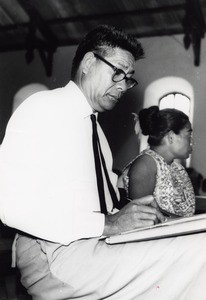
x=138 y=213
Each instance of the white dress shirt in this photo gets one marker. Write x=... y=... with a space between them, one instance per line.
x=47 y=174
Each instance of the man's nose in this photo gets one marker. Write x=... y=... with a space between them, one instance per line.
x=121 y=85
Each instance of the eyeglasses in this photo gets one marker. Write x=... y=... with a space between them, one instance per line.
x=119 y=74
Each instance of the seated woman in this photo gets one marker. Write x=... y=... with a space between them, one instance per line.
x=155 y=171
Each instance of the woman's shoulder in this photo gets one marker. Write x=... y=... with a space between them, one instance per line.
x=143 y=162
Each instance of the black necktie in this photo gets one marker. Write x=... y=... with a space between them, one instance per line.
x=99 y=158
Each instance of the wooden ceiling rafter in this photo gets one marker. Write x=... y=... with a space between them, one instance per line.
x=49 y=45
x=83 y=18
x=194 y=28
x=136 y=12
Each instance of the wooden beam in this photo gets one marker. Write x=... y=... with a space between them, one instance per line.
x=37 y=20
x=82 y=18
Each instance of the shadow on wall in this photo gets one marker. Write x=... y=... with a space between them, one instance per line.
x=118 y=125
x=196 y=179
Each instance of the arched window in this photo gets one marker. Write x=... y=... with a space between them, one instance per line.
x=177 y=101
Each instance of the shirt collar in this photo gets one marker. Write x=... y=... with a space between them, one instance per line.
x=84 y=105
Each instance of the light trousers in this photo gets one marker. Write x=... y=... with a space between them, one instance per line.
x=166 y=269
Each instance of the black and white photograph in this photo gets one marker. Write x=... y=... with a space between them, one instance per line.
x=102 y=149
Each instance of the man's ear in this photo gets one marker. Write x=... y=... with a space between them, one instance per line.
x=87 y=62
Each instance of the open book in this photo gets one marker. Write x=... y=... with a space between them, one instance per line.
x=175 y=227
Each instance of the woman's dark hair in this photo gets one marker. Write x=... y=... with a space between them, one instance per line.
x=101 y=39
x=157 y=123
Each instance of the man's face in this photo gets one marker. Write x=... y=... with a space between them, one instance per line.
x=101 y=91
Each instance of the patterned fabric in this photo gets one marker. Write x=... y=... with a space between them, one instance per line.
x=173 y=191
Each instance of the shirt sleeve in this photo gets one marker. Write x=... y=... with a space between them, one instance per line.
x=48 y=182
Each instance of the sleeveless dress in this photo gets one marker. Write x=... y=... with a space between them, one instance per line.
x=173 y=191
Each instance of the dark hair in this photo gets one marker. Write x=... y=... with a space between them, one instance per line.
x=102 y=39
x=157 y=123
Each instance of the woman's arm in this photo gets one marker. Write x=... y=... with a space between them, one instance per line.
x=142 y=177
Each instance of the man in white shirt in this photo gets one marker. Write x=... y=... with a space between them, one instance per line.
x=49 y=192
